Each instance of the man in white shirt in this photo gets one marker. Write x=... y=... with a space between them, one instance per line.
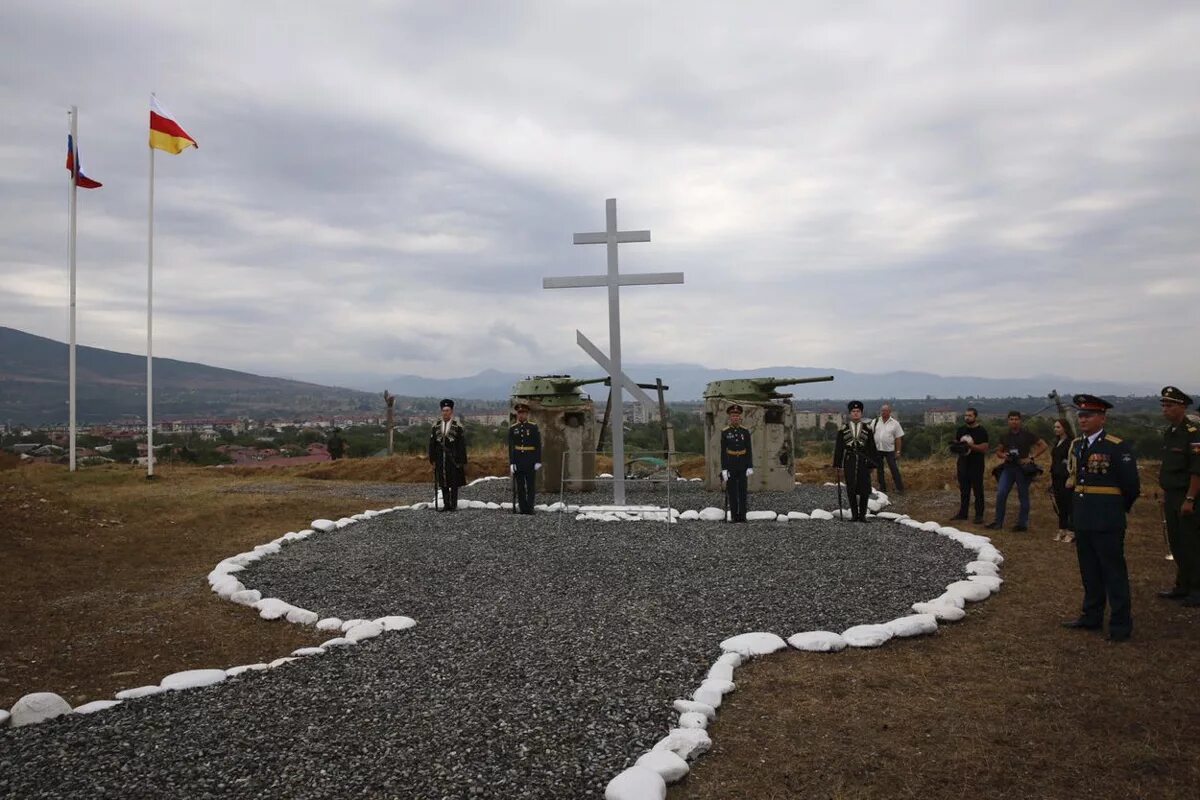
x=889 y=438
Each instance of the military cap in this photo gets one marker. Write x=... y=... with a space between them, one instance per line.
x=521 y=407
x=1091 y=403
x=447 y=403
x=853 y=404
x=1171 y=394
x=733 y=408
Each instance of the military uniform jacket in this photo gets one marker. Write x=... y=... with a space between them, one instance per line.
x=848 y=445
x=736 y=453
x=524 y=446
x=448 y=452
x=1105 y=480
x=1180 y=456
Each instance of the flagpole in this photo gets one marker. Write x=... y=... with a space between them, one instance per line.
x=74 y=115
x=150 y=330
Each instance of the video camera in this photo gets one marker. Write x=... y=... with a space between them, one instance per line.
x=959 y=448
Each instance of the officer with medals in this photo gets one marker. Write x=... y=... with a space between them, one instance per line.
x=855 y=455
x=1180 y=481
x=737 y=456
x=448 y=455
x=1103 y=473
x=524 y=456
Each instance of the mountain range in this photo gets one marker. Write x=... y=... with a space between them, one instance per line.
x=111 y=385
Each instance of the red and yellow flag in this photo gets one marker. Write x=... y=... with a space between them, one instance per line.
x=165 y=133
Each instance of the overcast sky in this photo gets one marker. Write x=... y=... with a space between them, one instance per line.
x=998 y=189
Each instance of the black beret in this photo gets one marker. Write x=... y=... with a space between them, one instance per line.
x=1171 y=394
x=447 y=403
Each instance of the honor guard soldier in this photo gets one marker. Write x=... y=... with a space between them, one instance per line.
x=736 y=458
x=1180 y=480
x=524 y=457
x=1103 y=474
x=448 y=455
x=855 y=455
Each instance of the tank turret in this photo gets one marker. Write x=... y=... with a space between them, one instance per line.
x=553 y=390
x=756 y=389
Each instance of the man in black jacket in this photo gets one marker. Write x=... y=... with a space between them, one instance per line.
x=448 y=455
x=855 y=455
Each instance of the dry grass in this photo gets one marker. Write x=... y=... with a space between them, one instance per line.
x=104 y=589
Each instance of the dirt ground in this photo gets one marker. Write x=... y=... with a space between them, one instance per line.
x=103 y=588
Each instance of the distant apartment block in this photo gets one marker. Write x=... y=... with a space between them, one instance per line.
x=941 y=416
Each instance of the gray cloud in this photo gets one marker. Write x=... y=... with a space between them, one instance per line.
x=992 y=188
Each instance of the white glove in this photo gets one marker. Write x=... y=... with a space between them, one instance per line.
x=725 y=474
x=536 y=467
x=512 y=469
x=749 y=471
x=966 y=437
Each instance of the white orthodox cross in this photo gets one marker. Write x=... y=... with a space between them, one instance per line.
x=613 y=280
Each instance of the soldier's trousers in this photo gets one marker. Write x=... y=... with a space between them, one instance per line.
x=858 y=485
x=1105 y=578
x=525 y=481
x=1183 y=535
x=735 y=490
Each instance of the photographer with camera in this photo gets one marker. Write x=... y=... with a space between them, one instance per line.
x=970 y=445
x=1017 y=450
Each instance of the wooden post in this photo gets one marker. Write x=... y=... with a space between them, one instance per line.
x=390 y=399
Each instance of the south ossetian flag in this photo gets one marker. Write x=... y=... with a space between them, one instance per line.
x=75 y=166
x=165 y=132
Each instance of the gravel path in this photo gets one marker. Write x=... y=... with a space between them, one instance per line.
x=543 y=663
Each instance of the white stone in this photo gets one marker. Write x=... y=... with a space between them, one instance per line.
x=338 y=641
x=948 y=599
x=233 y=672
x=692 y=707
x=794 y=515
x=192 y=679
x=364 y=517
x=820 y=513
x=396 y=623
x=4 y=715
x=817 y=641
x=874 y=505
x=246 y=597
x=279 y=662
x=692 y=719
x=37 y=707
x=309 y=651
x=943 y=612
x=636 y=783
x=866 y=635
x=492 y=506
x=711 y=514
x=690 y=514
x=992 y=582
x=140 y=691
x=710 y=697
x=989 y=553
x=330 y=624
x=913 y=625
x=351 y=623
x=983 y=568
x=760 y=515
x=721 y=671
x=272 y=608
x=267 y=549
x=367 y=630
x=96 y=705
x=757 y=643
x=301 y=616
x=687 y=743
x=732 y=659
x=908 y=522
x=670 y=766
x=889 y=515
x=344 y=522
x=969 y=590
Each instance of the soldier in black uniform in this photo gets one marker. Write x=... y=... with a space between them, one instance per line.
x=1180 y=480
x=736 y=459
x=448 y=455
x=524 y=456
x=335 y=445
x=855 y=455
x=1104 y=475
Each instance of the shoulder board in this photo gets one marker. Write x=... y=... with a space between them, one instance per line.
x=727 y=428
x=1192 y=428
x=1108 y=437
x=515 y=424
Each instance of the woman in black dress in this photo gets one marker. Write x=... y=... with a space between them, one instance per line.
x=1058 y=480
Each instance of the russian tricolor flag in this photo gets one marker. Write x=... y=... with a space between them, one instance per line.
x=76 y=169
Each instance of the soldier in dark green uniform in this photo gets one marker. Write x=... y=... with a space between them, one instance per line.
x=855 y=455
x=524 y=456
x=1103 y=473
x=1180 y=480
x=737 y=456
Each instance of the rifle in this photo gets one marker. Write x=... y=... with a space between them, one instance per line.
x=837 y=473
x=512 y=479
x=724 y=499
x=1162 y=505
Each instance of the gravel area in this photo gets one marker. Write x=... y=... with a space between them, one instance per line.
x=544 y=662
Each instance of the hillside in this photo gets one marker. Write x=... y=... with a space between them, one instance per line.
x=111 y=386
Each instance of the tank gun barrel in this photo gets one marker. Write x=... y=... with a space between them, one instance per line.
x=771 y=384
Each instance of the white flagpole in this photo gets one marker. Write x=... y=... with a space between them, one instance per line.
x=74 y=115
x=150 y=331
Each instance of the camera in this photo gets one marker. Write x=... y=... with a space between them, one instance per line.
x=959 y=448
